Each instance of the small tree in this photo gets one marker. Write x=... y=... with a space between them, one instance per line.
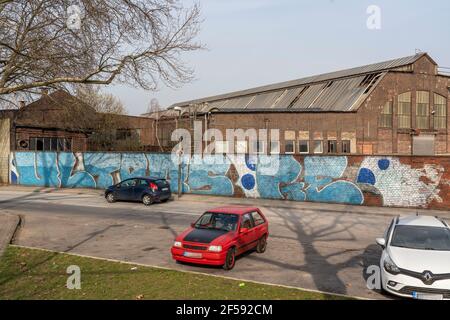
x=107 y=123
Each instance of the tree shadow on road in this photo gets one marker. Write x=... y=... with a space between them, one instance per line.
x=324 y=273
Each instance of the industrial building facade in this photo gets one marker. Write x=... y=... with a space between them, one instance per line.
x=398 y=107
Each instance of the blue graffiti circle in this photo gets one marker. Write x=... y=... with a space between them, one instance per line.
x=249 y=164
x=383 y=164
x=248 y=181
x=366 y=176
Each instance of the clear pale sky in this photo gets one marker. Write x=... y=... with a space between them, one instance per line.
x=257 y=42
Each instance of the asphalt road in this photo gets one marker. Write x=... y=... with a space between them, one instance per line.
x=317 y=249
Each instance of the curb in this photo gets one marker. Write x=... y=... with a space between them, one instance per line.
x=8 y=229
x=194 y=272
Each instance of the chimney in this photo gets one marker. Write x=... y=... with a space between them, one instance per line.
x=21 y=104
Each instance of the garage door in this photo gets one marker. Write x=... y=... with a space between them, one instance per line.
x=423 y=145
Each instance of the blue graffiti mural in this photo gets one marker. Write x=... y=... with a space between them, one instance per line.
x=320 y=179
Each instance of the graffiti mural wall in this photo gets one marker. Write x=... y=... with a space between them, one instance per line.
x=385 y=181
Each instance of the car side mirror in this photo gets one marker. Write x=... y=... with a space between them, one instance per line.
x=381 y=242
x=244 y=230
x=193 y=225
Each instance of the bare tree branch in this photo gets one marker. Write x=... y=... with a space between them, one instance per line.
x=53 y=44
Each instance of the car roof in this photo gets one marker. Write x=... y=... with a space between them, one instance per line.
x=240 y=210
x=145 y=178
x=425 y=221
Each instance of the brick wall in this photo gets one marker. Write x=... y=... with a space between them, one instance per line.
x=79 y=140
x=415 y=182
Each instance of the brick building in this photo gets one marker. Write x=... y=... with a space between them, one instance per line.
x=61 y=122
x=397 y=107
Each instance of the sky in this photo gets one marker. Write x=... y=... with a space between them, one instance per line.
x=257 y=42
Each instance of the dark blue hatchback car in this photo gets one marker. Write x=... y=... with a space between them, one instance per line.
x=145 y=189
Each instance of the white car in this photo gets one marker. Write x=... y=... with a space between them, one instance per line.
x=415 y=262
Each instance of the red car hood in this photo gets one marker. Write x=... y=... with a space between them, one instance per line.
x=206 y=236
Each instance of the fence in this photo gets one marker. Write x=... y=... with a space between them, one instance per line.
x=359 y=180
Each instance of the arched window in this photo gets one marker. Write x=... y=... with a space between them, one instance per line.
x=404 y=110
x=423 y=110
x=440 y=112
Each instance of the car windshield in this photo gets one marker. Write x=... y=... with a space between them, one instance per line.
x=218 y=221
x=422 y=238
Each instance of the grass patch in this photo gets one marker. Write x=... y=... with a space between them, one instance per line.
x=36 y=274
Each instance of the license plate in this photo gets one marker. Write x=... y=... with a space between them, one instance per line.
x=165 y=189
x=194 y=255
x=427 y=296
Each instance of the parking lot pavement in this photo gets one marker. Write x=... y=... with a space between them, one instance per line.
x=314 y=246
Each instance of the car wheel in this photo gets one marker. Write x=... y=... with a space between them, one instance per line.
x=110 y=197
x=147 y=200
x=262 y=245
x=230 y=259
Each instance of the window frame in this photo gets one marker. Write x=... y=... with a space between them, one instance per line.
x=293 y=146
x=344 y=142
x=335 y=146
x=300 y=148
x=422 y=102
x=445 y=107
x=321 y=146
x=272 y=151
x=385 y=119
x=252 y=223
x=255 y=220
x=403 y=100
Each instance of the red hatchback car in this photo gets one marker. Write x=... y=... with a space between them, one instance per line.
x=220 y=235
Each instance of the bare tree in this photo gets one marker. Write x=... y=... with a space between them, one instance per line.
x=58 y=44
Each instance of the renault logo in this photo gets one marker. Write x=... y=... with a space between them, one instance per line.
x=428 y=277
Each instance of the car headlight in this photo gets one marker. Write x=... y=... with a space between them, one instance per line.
x=215 y=248
x=390 y=266
x=177 y=244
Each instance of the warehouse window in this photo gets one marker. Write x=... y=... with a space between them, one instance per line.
x=303 y=146
x=386 y=116
x=332 y=146
x=423 y=110
x=50 y=144
x=346 y=146
x=274 y=147
x=318 y=146
x=440 y=112
x=258 y=147
x=404 y=110
x=289 y=146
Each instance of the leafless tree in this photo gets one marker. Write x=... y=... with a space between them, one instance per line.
x=59 y=44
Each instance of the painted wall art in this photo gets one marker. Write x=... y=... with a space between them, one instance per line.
x=356 y=180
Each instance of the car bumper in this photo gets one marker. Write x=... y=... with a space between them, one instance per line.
x=405 y=286
x=163 y=196
x=208 y=258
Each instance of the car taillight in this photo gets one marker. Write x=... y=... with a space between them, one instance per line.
x=153 y=186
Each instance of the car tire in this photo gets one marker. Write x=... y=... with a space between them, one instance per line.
x=110 y=197
x=147 y=200
x=230 y=260
x=262 y=245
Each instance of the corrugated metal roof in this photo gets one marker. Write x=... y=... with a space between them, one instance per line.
x=265 y=100
x=335 y=91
